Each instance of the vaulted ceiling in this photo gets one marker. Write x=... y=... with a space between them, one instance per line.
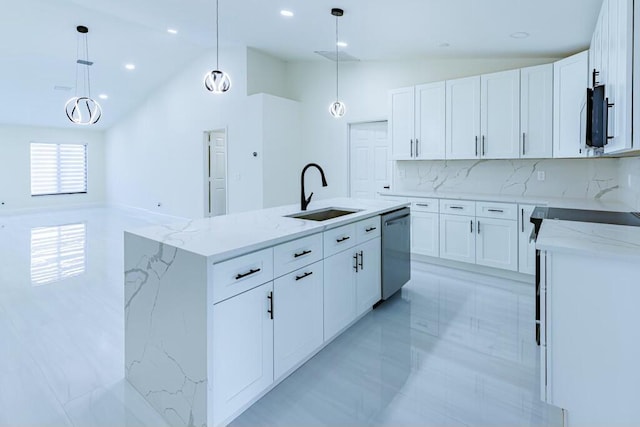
x=38 y=51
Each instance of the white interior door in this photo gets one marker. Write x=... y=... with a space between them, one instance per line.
x=370 y=160
x=217 y=173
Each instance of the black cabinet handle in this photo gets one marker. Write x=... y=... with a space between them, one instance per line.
x=307 y=274
x=386 y=187
x=522 y=219
x=361 y=260
x=478 y=227
x=303 y=253
x=523 y=144
x=412 y=148
x=355 y=265
x=476 y=145
x=426 y=205
x=456 y=207
x=496 y=210
x=417 y=145
x=471 y=224
x=270 y=311
x=345 y=238
x=249 y=273
x=368 y=230
x=483 y=153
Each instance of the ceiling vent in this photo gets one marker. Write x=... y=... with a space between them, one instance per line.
x=331 y=56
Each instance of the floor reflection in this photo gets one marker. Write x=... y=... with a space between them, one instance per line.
x=57 y=253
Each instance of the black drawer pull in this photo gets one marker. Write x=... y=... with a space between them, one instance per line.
x=426 y=205
x=303 y=253
x=307 y=274
x=270 y=311
x=249 y=273
x=369 y=230
x=345 y=238
x=457 y=207
x=496 y=210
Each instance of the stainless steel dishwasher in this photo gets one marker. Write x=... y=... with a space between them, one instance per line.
x=396 y=251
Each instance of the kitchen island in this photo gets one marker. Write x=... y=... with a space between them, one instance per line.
x=589 y=339
x=219 y=310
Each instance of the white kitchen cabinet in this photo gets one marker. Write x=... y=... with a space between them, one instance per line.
x=463 y=118
x=500 y=115
x=497 y=243
x=536 y=112
x=457 y=238
x=401 y=122
x=417 y=122
x=526 y=249
x=368 y=277
x=570 y=81
x=298 y=311
x=241 y=350
x=430 y=122
x=339 y=292
x=425 y=229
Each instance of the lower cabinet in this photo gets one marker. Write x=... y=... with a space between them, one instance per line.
x=425 y=228
x=457 y=238
x=497 y=243
x=351 y=285
x=298 y=311
x=242 y=350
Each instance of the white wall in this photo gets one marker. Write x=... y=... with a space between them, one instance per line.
x=364 y=87
x=15 y=170
x=265 y=74
x=156 y=155
x=564 y=178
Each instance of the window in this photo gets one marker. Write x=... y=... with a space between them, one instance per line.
x=58 y=169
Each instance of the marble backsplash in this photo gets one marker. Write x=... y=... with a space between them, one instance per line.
x=570 y=178
x=629 y=178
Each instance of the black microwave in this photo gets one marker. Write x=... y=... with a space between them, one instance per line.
x=597 y=117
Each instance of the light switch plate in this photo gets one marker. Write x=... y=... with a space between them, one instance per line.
x=541 y=176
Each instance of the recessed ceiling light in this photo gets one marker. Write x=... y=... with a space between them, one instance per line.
x=172 y=31
x=444 y=45
x=286 y=13
x=103 y=96
x=130 y=67
x=342 y=44
x=519 y=35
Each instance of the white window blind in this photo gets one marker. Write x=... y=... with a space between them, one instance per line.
x=58 y=169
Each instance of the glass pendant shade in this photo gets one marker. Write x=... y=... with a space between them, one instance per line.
x=337 y=109
x=82 y=109
x=217 y=81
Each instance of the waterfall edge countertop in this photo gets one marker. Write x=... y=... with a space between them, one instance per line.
x=592 y=239
x=223 y=237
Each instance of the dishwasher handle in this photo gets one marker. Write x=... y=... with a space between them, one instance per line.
x=397 y=220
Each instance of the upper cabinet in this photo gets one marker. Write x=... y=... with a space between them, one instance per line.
x=483 y=116
x=417 y=122
x=401 y=122
x=536 y=112
x=500 y=115
x=612 y=63
x=570 y=81
x=463 y=118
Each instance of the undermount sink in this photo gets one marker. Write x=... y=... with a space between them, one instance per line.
x=323 y=214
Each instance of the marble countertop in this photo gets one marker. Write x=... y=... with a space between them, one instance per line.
x=575 y=203
x=228 y=236
x=589 y=238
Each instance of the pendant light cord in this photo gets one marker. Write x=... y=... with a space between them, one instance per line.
x=86 y=45
x=217 y=39
x=337 y=60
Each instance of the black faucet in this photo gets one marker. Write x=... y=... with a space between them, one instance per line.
x=304 y=202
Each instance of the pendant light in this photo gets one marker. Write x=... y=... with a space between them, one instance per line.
x=82 y=109
x=217 y=81
x=337 y=109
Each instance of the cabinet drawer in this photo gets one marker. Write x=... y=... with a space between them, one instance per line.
x=424 y=205
x=368 y=229
x=457 y=207
x=240 y=274
x=339 y=239
x=496 y=210
x=293 y=255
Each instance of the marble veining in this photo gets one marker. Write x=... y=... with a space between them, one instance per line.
x=589 y=238
x=564 y=178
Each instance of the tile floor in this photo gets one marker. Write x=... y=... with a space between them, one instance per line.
x=452 y=348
